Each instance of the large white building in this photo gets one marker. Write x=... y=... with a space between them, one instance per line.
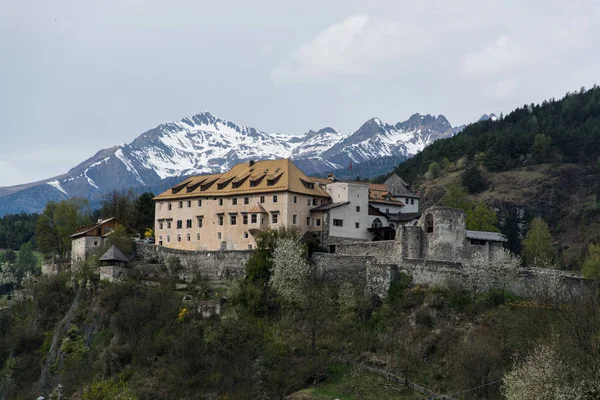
x=228 y=211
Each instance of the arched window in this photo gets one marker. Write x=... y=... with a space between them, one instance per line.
x=429 y=223
x=392 y=226
x=376 y=223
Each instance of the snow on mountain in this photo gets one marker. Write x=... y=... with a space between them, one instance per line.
x=205 y=143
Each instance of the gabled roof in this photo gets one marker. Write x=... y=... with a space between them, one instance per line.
x=246 y=178
x=489 y=236
x=113 y=254
x=82 y=230
x=257 y=208
x=398 y=187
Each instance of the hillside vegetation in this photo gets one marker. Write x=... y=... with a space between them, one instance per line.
x=569 y=129
x=538 y=161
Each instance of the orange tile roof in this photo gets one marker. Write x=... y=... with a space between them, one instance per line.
x=261 y=177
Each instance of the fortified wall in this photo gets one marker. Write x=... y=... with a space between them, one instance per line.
x=213 y=265
x=433 y=252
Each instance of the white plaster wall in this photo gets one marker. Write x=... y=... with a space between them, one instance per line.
x=358 y=196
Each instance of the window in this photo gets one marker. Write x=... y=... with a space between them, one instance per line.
x=338 y=222
x=219 y=235
x=314 y=202
x=188 y=223
x=160 y=225
x=179 y=224
x=478 y=242
x=308 y=201
x=189 y=204
x=181 y=204
x=274 y=218
x=245 y=235
x=179 y=238
x=357 y=208
x=429 y=223
x=253 y=218
x=295 y=199
x=95 y=243
x=294 y=219
x=234 y=201
x=198 y=236
x=274 y=198
x=159 y=206
x=169 y=206
x=220 y=219
x=262 y=199
x=387 y=210
x=376 y=223
x=189 y=237
x=245 y=219
x=249 y=247
x=412 y=201
x=199 y=203
x=233 y=219
x=168 y=238
x=357 y=225
x=318 y=222
x=168 y=224
x=160 y=241
x=199 y=222
x=220 y=202
x=307 y=221
x=246 y=200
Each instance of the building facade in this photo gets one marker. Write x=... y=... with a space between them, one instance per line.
x=92 y=237
x=228 y=211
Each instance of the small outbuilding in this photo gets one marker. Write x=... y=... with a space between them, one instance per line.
x=115 y=257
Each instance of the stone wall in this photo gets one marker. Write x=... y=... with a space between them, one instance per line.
x=383 y=251
x=337 y=269
x=212 y=265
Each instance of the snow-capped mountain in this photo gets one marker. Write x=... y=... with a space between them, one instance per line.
x=205 y=143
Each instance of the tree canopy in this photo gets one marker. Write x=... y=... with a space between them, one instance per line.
x=57 y=223
x=565 y=130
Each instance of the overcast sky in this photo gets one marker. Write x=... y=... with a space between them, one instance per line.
x=78 y=76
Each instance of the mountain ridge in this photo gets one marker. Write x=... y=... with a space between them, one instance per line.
x=204 y=143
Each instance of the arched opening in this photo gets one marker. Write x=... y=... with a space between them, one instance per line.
x=376 y=223
x=429 y=223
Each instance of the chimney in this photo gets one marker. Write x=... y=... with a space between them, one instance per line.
x=331 y=177
x=251 y=163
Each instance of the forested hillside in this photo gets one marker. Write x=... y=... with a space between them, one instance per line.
x=556 y=131
x=539 y=161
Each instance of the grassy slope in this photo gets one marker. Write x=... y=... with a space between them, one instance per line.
x=345 y=383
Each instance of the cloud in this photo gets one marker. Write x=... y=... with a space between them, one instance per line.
x=355 y=46
x=502 y=88
x=494 y=59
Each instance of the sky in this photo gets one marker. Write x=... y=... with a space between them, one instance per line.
x=79 y=76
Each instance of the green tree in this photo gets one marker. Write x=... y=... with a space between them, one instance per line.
x=457 y=197
x=541 y=147
x=57 y=223
x=27 y=262
x=591 y=266
x=537 y=245
x=482 y=218
x=8 y=256
x=434 y=170
x=472 y=179
x=119 y=238
x=144 y=212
